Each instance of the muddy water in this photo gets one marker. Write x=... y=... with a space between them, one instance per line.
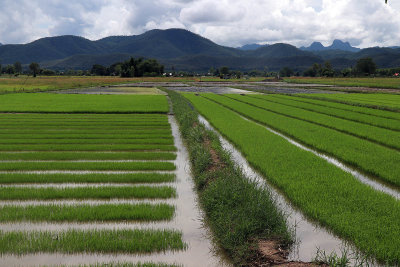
x=188 y=219
x=309 y=236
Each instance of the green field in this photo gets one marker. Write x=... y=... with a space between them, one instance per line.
x=370 y=157
x=66 y=103
x=325 y=193
x=86 y=213
x=90 y=241
x=59 y=178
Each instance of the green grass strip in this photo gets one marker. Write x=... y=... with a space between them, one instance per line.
x=29 y=141
x=354 y=102
x=84 y=123
x=335 y=112
x=362 y=110
x=84 y=136
x=84 y=147
x=98 y=166
x=378 y=135
x=59 y=178
x=86 y=213
x=90 y=241
x=369 y=157
x=103 y=192
x=71 y=103
x=334 y=198
x=87 y=156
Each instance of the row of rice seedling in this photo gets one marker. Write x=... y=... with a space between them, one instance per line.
x=89 y=147
x=71 y=103
x=324 y=192
x=349 y=99
x=60 y=178
x=86 y=213
x=75 y=116
x=310 y=98
x=385 y=137
x=98 y=166
x=90 y=241
x=87 y=141
x=331 y=111
x=5 y=136
x=57 y=155
x=99 y=131
x=88 y=192
x=369 y=157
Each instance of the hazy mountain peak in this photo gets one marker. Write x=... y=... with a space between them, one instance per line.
x=248 y=47
x=336 y=45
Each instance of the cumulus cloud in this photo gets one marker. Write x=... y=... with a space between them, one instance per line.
x=227 y=22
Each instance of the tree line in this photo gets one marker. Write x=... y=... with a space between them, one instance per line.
x=134 y=67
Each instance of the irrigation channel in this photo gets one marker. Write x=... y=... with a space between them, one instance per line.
x=188 y=220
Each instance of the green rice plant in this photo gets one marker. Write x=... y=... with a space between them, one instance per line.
x=54 y=155
x=90 y=241
x=335 y=112
x=90 y=147
x=369 y=157
x=378 y=135
x=358 y=109
x=69 y=141
x=108 y=136
x=356 y=100
x=66 y=132
x=71 y=103
x=86 y=213
x=322 y=191
x=59 y=178
x=237 y=210
x=94 y=166
x=84 y=124
x=102 y=192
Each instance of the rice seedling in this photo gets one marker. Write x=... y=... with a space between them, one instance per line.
x=369 y=157
x=59 y=178
x=94 y=166
x=90 y=241
x=90 y=147
x=70 y=141
x=86 y=213
x=324 y=192
x=54 y=156
x=102 y=192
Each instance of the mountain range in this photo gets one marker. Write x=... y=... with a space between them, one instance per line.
x=183 y=50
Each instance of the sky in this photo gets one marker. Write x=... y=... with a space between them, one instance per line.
x=363 y=23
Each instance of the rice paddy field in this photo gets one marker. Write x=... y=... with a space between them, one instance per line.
x=88 y=175
x=329 y=154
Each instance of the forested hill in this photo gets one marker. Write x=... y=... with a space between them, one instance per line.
x=180 y=49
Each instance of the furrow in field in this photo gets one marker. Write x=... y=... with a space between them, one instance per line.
x=334 y=112
x=369 y=157
x=324 y=192
x=387 y=138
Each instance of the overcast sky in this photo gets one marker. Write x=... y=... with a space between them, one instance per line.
x=363 y=23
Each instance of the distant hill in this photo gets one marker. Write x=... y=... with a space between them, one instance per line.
x=336 y=45
x=248 y=47
x=184 y=50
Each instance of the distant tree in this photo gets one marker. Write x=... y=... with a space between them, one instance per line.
x=48 y=72
x=18 y=67
x=1 y=68
x=224 y=71
x=10 y=69
x=99 y=70
x=328 y=70
x=141 y=67
x=365 y=66
x=286 y=72
x=35 y=68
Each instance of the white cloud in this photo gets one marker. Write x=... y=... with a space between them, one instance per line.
x=227 y=22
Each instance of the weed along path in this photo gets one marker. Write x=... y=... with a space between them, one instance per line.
x=74 y=194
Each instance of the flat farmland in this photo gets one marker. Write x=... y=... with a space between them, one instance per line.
x=326 y=193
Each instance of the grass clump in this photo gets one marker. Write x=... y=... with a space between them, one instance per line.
x=87 y=213
x=90 y=241
x=59 y=178
x=237 y=210
x=102 y=192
